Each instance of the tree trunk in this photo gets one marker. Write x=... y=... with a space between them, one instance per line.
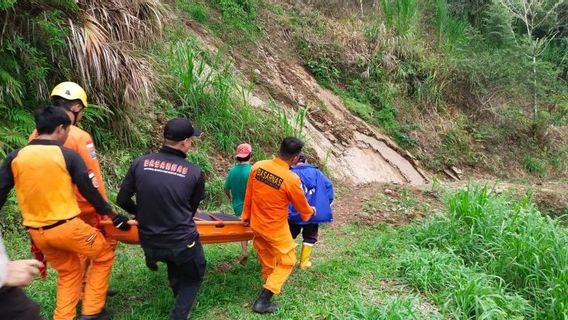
x=535 y=101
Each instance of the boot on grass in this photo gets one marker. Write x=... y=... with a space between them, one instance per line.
x=103 y=315
x=263 y=303
x=305 y=256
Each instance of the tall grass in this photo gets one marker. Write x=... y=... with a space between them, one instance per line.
x=510 y=239
x=207 y=92
x=462 y=292
x=401 y=14
x=451 y=30
x=291 y=124
x=241 y=15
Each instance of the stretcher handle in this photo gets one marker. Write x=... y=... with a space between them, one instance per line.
x=215 y=223
x=220 y=223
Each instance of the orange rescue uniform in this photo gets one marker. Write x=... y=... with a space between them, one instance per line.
x=271 y=186
x=44 y=174
x=81 y=142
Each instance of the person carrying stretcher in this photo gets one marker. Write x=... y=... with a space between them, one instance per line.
x=72 y=98
x=168 y=191
x=44 y=174
x=271 y=186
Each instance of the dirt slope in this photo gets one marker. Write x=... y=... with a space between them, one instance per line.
x=354 y=151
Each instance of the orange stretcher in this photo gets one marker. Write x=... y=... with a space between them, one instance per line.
x=212 y=228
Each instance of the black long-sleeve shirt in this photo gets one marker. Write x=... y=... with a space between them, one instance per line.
x=43 y=173
x=168 y=191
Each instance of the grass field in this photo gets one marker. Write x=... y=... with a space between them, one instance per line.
x=485 y=256
x=351 y=277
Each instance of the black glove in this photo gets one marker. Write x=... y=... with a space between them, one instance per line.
x=151 y=264
x=121 y=222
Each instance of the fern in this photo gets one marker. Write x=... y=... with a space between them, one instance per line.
x=10 y=139
x=21 y=119
x=7 y=4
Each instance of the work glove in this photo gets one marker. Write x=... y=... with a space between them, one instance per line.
x=151 y=264
x=40 y=257
x=121 y=222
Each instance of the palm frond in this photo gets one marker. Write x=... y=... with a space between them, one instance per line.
x=111 y=74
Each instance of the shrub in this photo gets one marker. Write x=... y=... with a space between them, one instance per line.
x=463 y=292
x=535 y=165
x=508 y=238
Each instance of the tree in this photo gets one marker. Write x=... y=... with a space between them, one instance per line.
x=540 y=21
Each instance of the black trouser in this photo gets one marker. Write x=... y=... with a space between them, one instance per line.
x=15 y=305
x=186 y=268
x=309 y=232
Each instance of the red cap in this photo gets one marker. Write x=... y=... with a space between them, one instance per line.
x=243 y=150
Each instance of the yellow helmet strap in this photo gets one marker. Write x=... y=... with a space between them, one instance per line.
x=75 y=113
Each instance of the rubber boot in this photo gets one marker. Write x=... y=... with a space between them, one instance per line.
x=103 y=315
x=305 y=256
x=263 y=303
x=111 y=292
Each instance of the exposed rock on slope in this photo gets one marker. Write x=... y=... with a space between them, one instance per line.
x=353 y=150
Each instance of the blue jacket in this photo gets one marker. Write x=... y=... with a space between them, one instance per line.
x=319 y=192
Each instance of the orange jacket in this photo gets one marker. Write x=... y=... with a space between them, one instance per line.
x=271 y=186
x=44 y=174
x=82 y=143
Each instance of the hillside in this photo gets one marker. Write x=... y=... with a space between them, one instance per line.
x=382 y=91
x=443 y=124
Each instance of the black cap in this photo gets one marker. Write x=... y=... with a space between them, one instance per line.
x=179 y=129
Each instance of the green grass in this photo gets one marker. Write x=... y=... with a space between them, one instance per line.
x=196 y=10
x=489 y=257
x=510 y=239
x=535 y=165
x=461 y=291
x=207 y=91
x=346 y=282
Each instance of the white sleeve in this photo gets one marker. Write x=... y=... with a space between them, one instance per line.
x=3 y=263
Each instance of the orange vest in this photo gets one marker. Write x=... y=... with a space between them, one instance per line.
x=82 y=143
x=271 y=186
x=43 y=185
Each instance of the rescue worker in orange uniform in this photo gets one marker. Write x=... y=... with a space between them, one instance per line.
x=73 y=99
x=270 y=187
x=44 y=174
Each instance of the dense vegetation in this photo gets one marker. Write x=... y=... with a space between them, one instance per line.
x=455 y=82
x=139 y=68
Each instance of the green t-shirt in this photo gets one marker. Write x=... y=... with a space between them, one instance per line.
x=236 y=181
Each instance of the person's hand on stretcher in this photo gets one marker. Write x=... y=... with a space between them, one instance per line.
x=122 y=222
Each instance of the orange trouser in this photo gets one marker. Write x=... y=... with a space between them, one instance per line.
x=276 y=266
x=92 y=218
x=62 y=247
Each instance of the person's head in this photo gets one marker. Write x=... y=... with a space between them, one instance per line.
x=302 y=158
x=290 y=149
x=244 y=152
x=71 y=97
x=178 y=133
x=52 y=123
